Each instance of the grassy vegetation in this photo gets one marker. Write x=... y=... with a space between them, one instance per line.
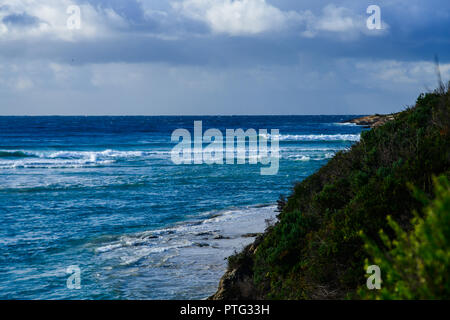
x=316 y=251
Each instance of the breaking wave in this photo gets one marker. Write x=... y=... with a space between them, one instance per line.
x=316 y=137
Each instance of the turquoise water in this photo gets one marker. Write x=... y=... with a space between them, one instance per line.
x=102 y=193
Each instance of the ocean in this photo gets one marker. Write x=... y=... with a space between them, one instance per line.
x=102 y=194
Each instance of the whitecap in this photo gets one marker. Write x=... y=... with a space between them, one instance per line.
x=316 y=137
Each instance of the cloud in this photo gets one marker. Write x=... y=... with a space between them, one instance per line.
x=252 y=17
x=341 y=21
x=336 y=19
x=239 y=17
x=353 y=86
x=217 y=56
x=394 y=74
x=47 y=19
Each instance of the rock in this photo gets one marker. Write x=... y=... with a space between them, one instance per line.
x=201 y=245
x=250 y=235
x=237 y=282
x=220 y=237
x=373 y=120
x=207 y=233
x=235 y=285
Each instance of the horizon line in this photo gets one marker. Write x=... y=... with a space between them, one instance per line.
x=183 y=115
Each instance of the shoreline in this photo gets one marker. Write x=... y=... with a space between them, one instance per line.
x=197 y=248
x=372 y=121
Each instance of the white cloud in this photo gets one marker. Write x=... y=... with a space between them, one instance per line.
x=50 y=20
x=249 y=17
x=238 y=17
x=232 y=17
x=340 y=21
x=392 y=74
x=336 y=19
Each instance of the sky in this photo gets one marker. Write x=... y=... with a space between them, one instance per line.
x=218 y=57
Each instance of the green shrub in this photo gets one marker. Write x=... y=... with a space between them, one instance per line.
x=416 y=264
x=315 y=249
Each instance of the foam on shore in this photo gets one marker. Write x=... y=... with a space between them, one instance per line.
x=184 y=261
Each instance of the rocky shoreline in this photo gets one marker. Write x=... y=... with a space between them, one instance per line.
x=372 y=120
x=237 y=282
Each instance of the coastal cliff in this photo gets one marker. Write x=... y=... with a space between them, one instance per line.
x=328 y=230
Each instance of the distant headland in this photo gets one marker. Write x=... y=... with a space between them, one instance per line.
x=372 y=121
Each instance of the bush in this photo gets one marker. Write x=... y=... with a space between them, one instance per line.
x=315 y=250
x=417 y=263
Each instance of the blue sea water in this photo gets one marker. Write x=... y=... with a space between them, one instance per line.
x=102 y=193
